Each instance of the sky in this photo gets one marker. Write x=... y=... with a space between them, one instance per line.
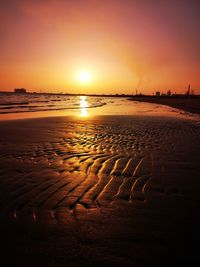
x=119 y=45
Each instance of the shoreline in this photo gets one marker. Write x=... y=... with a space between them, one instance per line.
x=143 y=106
x=191 y=105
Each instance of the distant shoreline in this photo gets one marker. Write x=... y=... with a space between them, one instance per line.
x=65 y=94
x=190 y=104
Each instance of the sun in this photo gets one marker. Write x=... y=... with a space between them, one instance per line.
x=84 y=76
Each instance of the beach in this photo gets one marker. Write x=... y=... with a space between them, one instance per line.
x=99 y=133
x=100 y=190
x=186 y=103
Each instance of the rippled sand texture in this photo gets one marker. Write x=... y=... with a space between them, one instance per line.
x=116 y=190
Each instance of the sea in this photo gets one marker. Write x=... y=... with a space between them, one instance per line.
x=32 y=105
x=33 y=102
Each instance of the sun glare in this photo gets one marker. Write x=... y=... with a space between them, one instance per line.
x=83 y=106
x=84 y=76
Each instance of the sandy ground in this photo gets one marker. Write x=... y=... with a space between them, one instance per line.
x=187 y=104
x=112 y=190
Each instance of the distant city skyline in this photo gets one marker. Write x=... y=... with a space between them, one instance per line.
x=100 y=47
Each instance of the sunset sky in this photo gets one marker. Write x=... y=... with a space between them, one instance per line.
x=100 y=46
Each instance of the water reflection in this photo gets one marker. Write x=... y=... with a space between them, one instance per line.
x=83 y=106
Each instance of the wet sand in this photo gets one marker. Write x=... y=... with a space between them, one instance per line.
x=109 y=190
x=191 y=105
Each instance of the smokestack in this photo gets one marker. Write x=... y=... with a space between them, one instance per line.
x=189 y=89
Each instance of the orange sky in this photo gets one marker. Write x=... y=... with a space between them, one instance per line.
x=126 y=45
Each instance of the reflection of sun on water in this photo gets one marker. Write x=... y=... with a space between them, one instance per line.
x=83 y=106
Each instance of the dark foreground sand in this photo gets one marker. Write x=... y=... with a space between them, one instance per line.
x=189 y=104
x=110 y=191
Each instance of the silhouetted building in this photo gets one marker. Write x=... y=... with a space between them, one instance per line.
x=157 y=93
x=20 y=90
x=169 y=93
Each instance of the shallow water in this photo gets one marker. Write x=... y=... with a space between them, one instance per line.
x=18 y=103
x=20 y=106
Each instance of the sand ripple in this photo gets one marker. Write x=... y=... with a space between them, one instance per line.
x=94 y=164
